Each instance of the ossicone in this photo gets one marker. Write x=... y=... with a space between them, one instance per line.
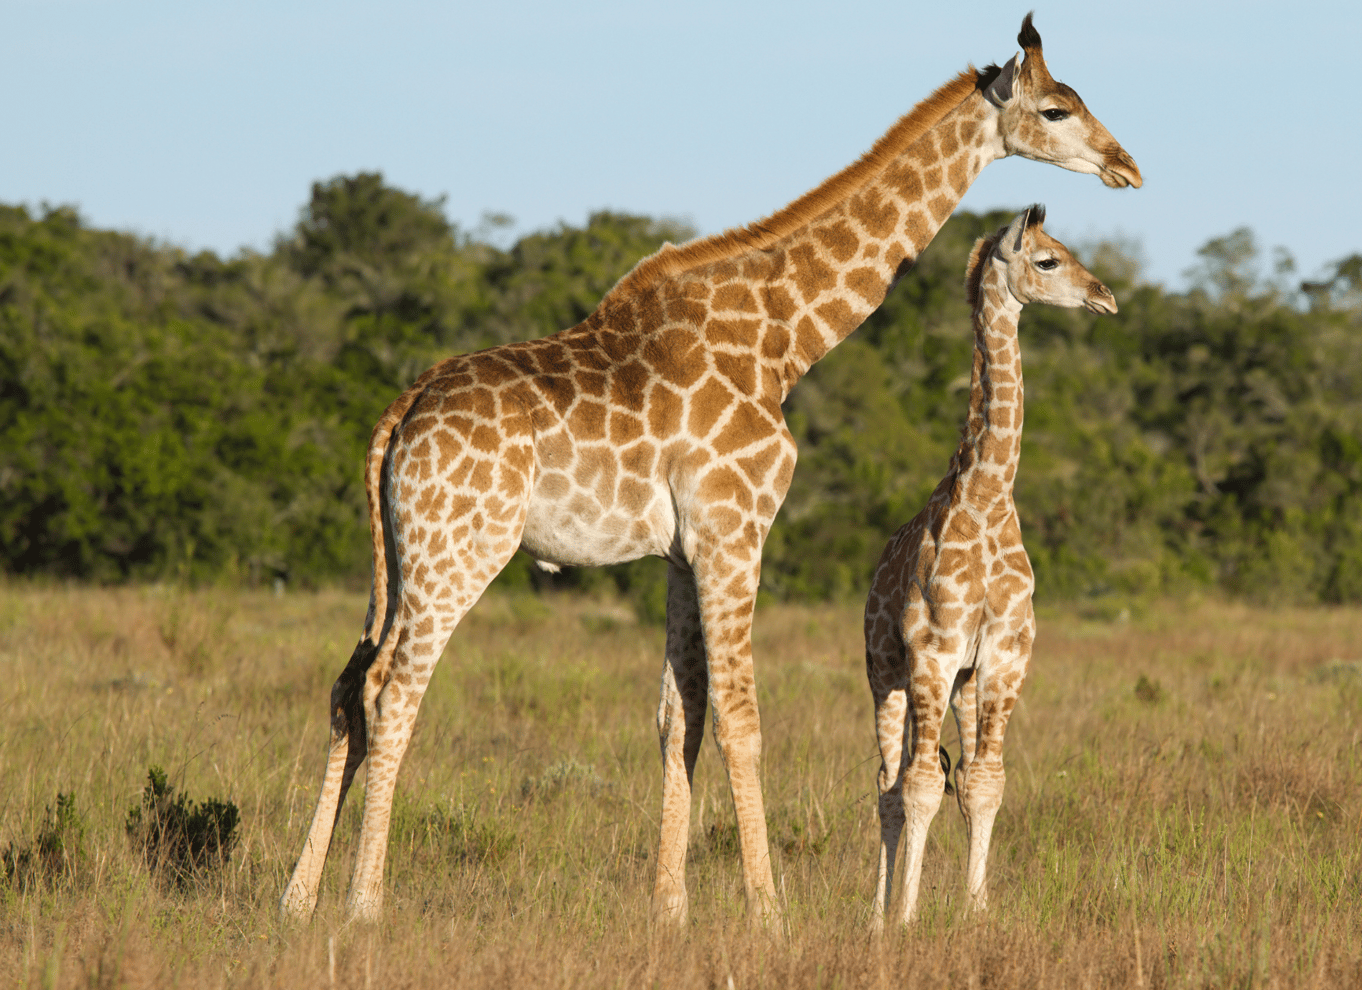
x=1028 y=37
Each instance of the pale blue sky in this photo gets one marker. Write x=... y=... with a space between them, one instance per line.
x=204 y=124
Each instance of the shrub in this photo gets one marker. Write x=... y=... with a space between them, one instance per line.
x=58 y=848
x=1147 y=691
x=454 y=834
x=180 y=837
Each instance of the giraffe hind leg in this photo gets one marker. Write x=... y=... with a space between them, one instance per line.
x=680 y=729
x=999 y=683
x=392 y=696
x=347 y=750
x=425 y=614
x=886 y=670
x=967 y=728
x=891 y=712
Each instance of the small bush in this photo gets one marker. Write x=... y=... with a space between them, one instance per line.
x=58 y=848
x=1150 y=692
x=454 y=834
x=720 y=840
x=180 y=837
x=568 y=775
x=786 y=832
x=799 y=839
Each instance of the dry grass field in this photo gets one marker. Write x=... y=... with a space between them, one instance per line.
x=1184 y=804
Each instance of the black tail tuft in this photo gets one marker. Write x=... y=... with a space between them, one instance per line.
x=946 y=768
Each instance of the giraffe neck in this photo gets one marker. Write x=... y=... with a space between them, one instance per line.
x=990 y=448
x=835 y=271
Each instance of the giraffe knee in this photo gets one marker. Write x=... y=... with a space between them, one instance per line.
x=890 y=798
x=924 y=783
x=738 y=748
x=983 y=783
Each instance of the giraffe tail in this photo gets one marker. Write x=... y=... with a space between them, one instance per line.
x=946 y=767
x=385 y=576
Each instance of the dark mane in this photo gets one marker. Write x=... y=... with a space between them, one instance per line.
x=978 y=258
x=737 y=241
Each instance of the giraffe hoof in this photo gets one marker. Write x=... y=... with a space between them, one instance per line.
x=364 y=911
x=765 y=914
x=669 y=909
x=297 y=904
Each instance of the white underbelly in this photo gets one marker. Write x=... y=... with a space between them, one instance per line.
x=579 y=531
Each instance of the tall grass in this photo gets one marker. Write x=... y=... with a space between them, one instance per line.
x=1183 y=804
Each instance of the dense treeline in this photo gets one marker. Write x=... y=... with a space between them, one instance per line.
x=166 y=415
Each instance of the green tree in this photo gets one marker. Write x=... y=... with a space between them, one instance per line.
x=173 y=415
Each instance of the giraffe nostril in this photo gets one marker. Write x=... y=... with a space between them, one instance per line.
x=1100 y=300
x=1120 y=170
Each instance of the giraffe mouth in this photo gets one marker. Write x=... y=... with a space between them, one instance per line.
x=1115 y=169
x=1100 y=300
x=1119 y=169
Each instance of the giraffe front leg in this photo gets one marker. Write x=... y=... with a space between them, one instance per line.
x=924 y=780
x=1000 y=679
x=964 y=709
x=726 y=607
x=891 y=709
x=347 y=751
x=680 y=728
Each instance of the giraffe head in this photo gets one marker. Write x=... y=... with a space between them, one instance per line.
x=1040 y=268
x=1045 y=120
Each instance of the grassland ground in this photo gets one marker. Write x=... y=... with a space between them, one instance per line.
x=1184 y=803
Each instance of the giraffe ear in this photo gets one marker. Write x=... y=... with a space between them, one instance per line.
x=1000 y=91
x=1021 y=223
x=1010 y=243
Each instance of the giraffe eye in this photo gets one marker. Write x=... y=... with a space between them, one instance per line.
x=1046 y=264
x=1054 y=113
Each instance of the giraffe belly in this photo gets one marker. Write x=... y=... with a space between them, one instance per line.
x=579 y=531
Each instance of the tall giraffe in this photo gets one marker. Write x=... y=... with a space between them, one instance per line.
x=654 y=427
x=949 y=615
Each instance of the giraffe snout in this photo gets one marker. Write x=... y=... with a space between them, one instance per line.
x=1100 y=299
x=1119 y=169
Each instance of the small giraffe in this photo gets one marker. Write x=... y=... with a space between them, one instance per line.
x=654 y=427
x=949 y=614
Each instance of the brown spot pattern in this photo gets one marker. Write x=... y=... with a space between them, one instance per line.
x=654 y=427
x=949 y=621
